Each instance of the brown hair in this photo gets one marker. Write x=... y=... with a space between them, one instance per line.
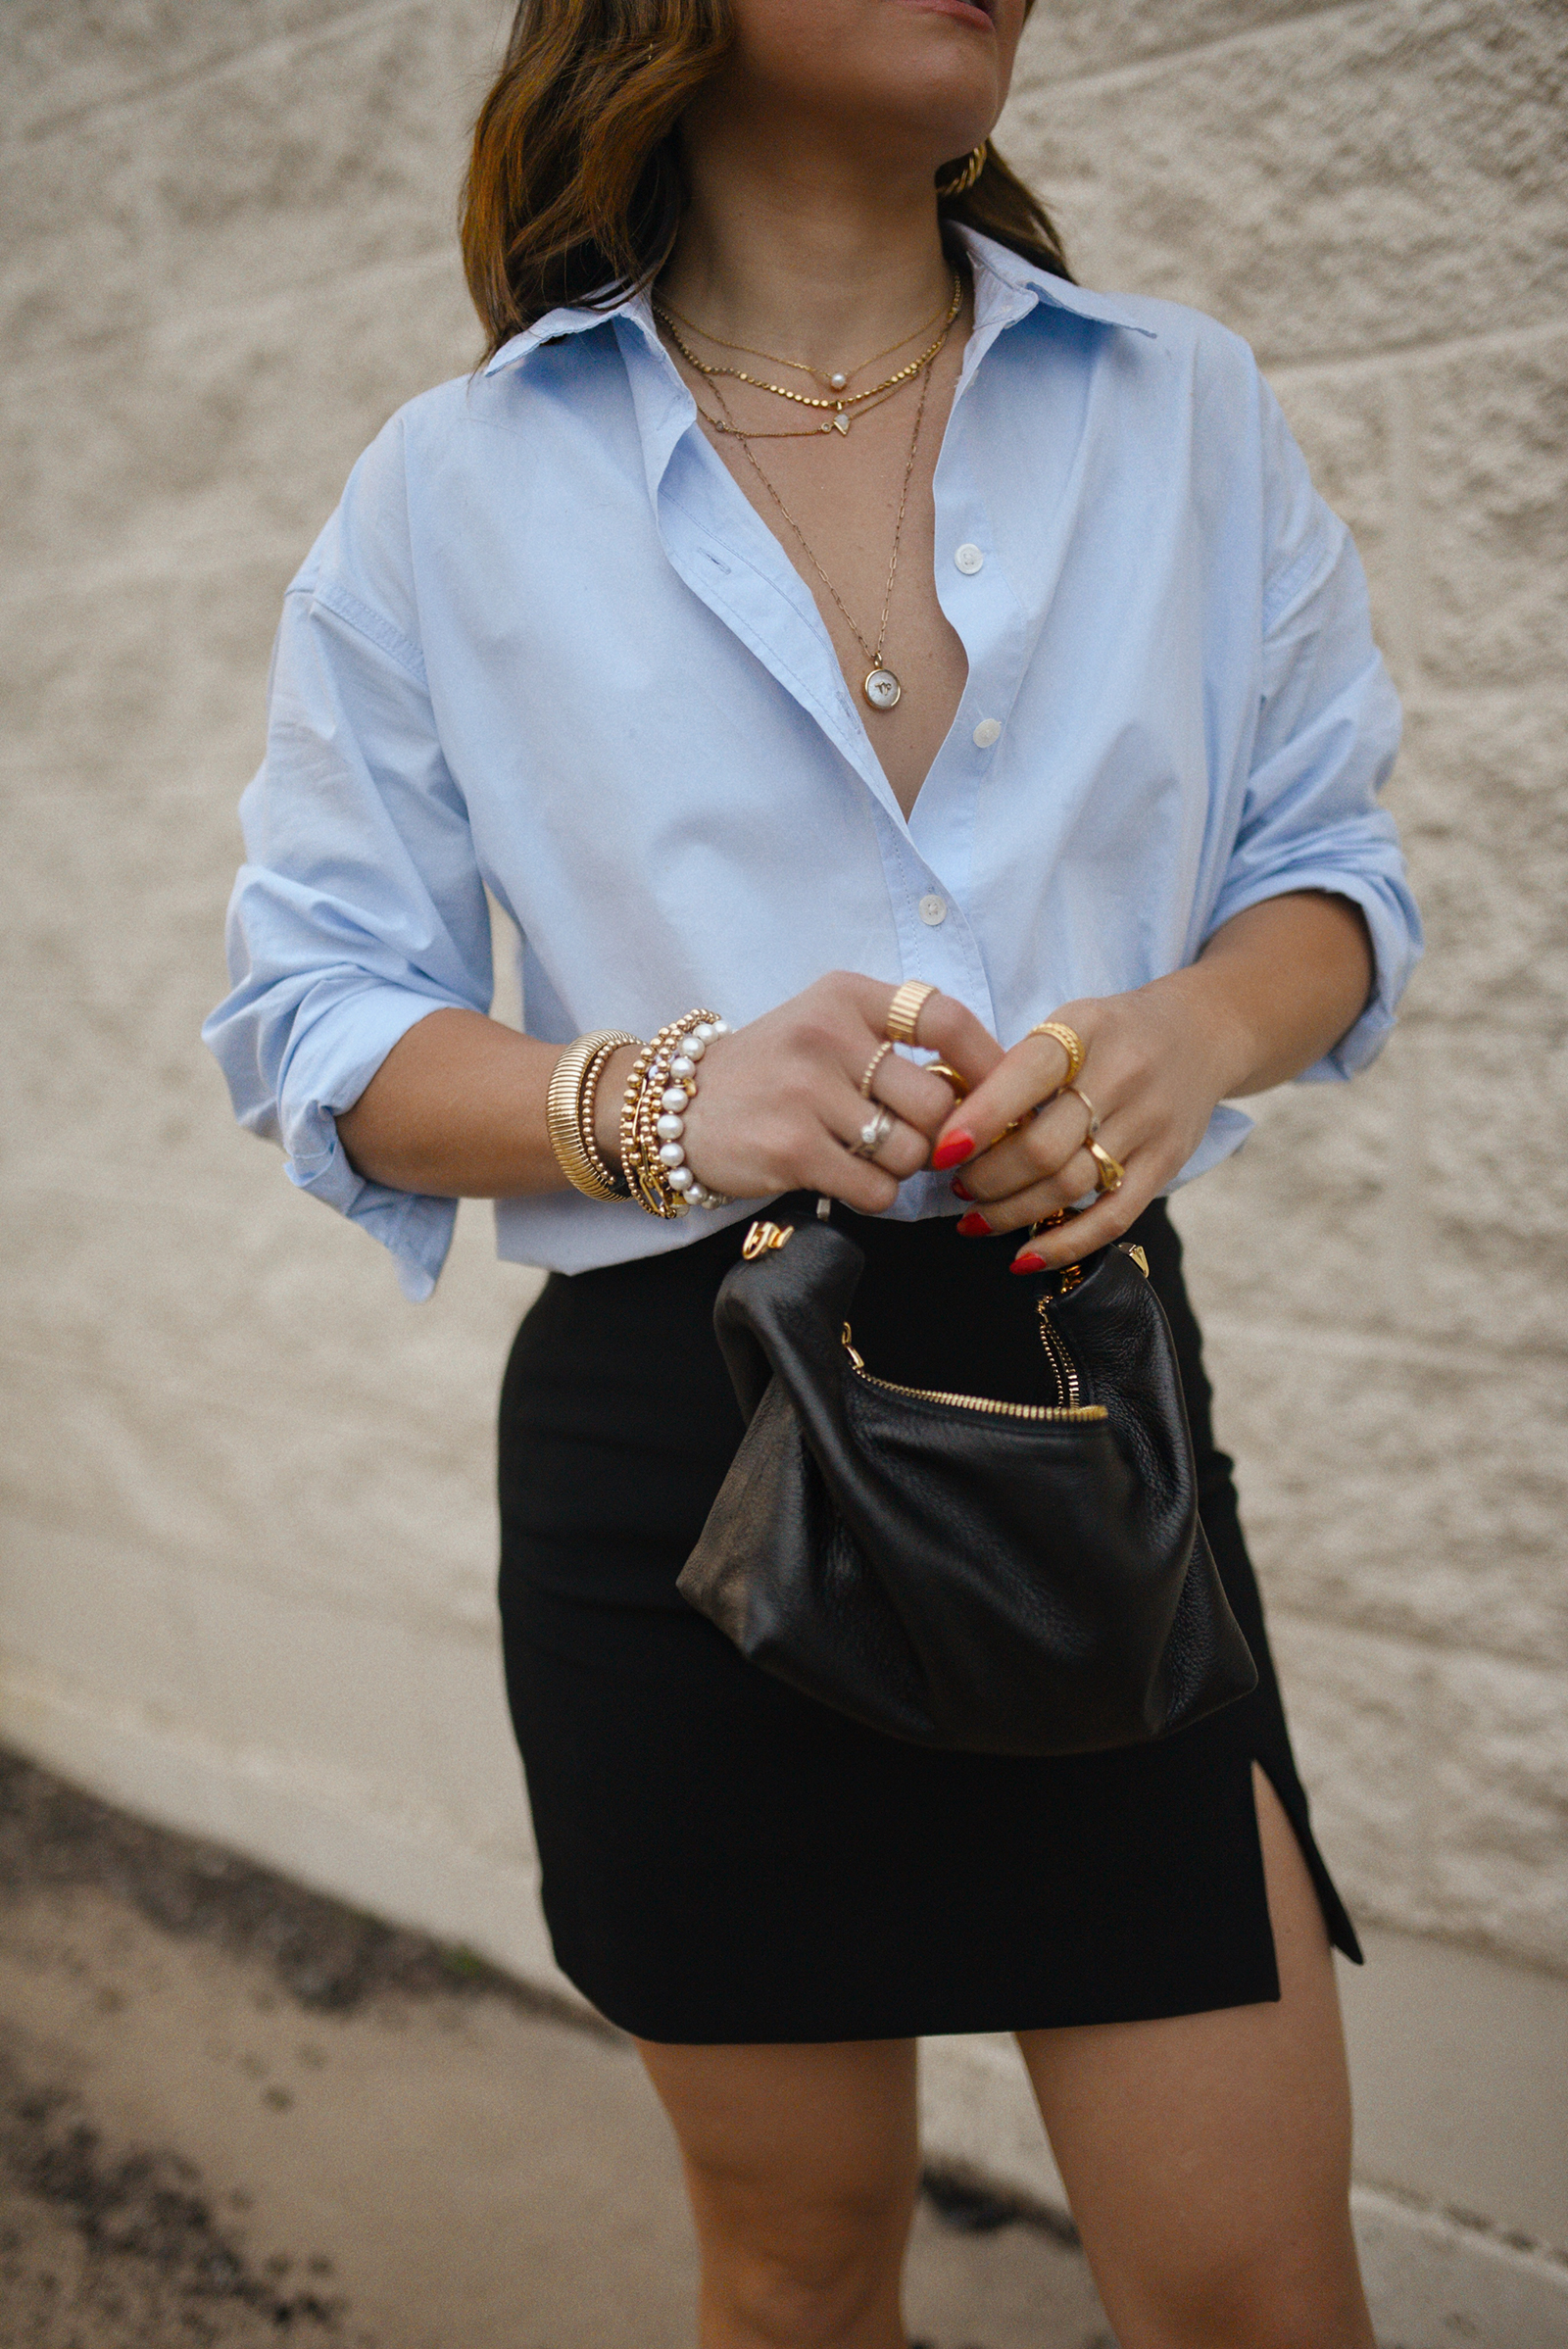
x=574 y=190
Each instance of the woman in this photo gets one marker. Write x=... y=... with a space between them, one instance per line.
x=818 y=591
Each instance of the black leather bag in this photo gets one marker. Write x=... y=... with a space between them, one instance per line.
x=960 y=1572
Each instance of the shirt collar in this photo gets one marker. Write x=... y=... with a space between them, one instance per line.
x=1006 y=288
x=556 y=324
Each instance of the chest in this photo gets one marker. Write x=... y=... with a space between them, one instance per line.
x=854 y=511
x=620 y=626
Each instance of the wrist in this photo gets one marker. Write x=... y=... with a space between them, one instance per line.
x=1221 y=1039
x=662 y=1085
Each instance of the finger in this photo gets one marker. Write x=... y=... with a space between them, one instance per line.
x=1052 y=1237
x=1027 y=1206
x=952 y=1031
x=1096 y=1227
x=1041 y=1148
x=859 y=1181
x=921 y=1098
x=945 y=1027
x=1019 y=1082
x=900 y=1152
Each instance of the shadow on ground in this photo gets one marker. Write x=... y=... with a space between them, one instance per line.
x=232 y=2112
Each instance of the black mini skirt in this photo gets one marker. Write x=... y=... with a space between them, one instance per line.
x=724 y=1860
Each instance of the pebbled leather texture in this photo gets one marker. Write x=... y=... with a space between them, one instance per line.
x=951 y=1577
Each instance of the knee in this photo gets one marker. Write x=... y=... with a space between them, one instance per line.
x=1258 y=2303
x=806 y=2301
x=807 y=2277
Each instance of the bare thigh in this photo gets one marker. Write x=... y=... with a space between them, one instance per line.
x=802 y=2164
x=1207 y=2157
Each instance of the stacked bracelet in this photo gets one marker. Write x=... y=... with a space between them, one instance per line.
x=569 y=1114
x=653 y=1120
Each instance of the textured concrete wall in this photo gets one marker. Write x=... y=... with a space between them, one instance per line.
x=1375 y=195
x=249 y=1533
x=249 y=1543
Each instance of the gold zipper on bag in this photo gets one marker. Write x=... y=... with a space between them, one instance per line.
x=1062 y=1362
x=986 y=1402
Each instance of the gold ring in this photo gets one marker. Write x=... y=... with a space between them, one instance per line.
x=903 y=1012
x=949 y=1076
x=1109 y=1172
x=871 y=1067
x=1071 y=1042
x=1094 y=1113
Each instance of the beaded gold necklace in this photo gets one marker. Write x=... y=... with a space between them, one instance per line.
x=836 y=380
x=881 y=685
x=841 y=401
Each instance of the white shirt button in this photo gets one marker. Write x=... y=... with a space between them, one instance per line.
x=968 y=557
x=933 y=911
x=986 y=733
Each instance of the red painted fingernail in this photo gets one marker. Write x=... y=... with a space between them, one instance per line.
x=971 y=1226
x=1029 y=1262
x=954 y=1151
x=959 y=1190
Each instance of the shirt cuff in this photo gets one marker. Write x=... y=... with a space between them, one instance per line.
x=327 y=1071
x=1395 y=928
x=1228 y=1129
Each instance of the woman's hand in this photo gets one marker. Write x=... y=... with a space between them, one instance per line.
x=778 y=1101
x=1272 y=991
x=1154 y=1070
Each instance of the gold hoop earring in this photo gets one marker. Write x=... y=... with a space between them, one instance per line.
x=967 y=172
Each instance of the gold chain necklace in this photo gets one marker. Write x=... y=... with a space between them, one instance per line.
x=880 y=685
x=841 y=402
x=834 y=380
x=718 y=423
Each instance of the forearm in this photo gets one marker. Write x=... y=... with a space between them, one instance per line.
x=1278 y=986
x=457 y=1109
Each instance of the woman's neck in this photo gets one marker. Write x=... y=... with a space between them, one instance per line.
x=803 y=243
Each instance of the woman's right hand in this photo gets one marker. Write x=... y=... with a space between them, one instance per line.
x=778 y=1101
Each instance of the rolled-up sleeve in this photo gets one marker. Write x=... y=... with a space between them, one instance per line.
x=1327 y=728
x=360 y=907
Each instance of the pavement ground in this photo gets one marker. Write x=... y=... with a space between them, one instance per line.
x=232 y=2112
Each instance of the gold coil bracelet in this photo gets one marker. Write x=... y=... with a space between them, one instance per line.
x=569 y=1114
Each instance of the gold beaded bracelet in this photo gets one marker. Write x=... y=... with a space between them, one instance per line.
x=569 y=1114
x=659 y=1091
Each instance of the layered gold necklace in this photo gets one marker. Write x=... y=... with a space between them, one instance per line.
x=880 y=686
x=846 y=405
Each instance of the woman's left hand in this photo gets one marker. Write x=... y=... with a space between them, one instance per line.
x=1155 y=1063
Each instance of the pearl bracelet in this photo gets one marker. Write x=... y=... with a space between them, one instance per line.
x=653 y=1120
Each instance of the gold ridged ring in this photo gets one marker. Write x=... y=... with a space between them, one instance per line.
x=1071 y=1042
x=904 y=1012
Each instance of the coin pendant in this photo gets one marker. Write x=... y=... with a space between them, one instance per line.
x=881 y=688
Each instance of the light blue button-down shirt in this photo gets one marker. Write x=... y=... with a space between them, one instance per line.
x=547 y=648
